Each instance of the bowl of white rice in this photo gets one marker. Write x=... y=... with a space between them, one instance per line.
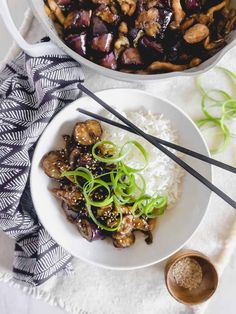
x=187 y=198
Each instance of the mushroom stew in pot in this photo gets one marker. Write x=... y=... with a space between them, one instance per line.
x=144 y=36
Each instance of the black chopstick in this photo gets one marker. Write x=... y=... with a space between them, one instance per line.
x=179 y=148
x=179 y=161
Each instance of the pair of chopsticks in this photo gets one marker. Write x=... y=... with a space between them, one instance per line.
x=159 y=143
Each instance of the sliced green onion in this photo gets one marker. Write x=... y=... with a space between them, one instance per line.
x=112 y=159
x=226 y=105
x=91 y=187
x=141 y=149
x=79 y=172
x=231 y=74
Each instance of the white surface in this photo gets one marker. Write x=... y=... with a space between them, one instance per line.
x=11 y=299
x=169 y=235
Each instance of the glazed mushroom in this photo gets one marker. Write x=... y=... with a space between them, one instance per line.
x=121 y=241
x=55 y=8
x=179 y=14
x=215 y=8
x=54 y=164
x=123 y=28
x=166 y=66
x=208 y=45
x=187 y=23
x=107 y=14
x=128 y=6
x=49 y=13
x=230 y=25
x=196 y=33
x=148 y=21
x=121 y=44
x=126 y=225
x=141 y=224
x=88 y=132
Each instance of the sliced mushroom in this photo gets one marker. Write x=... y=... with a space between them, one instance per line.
x=120 y=45
x=71 y=198
x=187 y=23
x=194 y=62
x=152 y=3
x=148 y=21
x=196 y=33
x=55 y=8
x=126 y=225
x=107 y=14
x=203 y=19
x=54 y=164
x=120 y=241
x=230 y=25
x=128 y=6
x=215 y=8
x=166 y=66
x=208 y=45
x=141 y=224
x=106 y=2
x=179 y=14
x=88 y=132
x=123 y=28
x=49 y=13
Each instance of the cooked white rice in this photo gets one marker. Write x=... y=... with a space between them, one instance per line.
x=162 y=175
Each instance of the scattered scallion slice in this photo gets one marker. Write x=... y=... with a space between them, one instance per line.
x=226 y=105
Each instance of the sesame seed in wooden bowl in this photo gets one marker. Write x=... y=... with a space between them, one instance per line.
x=191 y=278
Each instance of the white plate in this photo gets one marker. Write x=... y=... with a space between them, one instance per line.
x=173 y=229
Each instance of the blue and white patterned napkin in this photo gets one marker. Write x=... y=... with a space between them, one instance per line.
x=32 y=91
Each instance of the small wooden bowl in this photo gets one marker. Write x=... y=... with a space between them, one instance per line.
x=204 y=291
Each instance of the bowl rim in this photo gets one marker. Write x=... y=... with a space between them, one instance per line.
x=122 y=75
x=172 y=106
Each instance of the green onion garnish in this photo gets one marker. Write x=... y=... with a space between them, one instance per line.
x=225 y=103
x=123 y=185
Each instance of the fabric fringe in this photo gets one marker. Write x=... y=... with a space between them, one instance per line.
x=38 y=294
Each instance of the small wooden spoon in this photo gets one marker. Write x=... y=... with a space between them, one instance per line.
x=204 y=291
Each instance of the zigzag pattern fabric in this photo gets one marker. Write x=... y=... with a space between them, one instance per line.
x=32 y=91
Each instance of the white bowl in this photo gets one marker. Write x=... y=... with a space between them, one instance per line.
x=173 y=229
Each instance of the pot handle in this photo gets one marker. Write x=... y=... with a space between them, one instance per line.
x=34 y=50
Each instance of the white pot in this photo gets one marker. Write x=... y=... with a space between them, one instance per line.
x=40 y=49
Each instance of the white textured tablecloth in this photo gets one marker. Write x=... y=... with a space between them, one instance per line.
x=98 y=291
